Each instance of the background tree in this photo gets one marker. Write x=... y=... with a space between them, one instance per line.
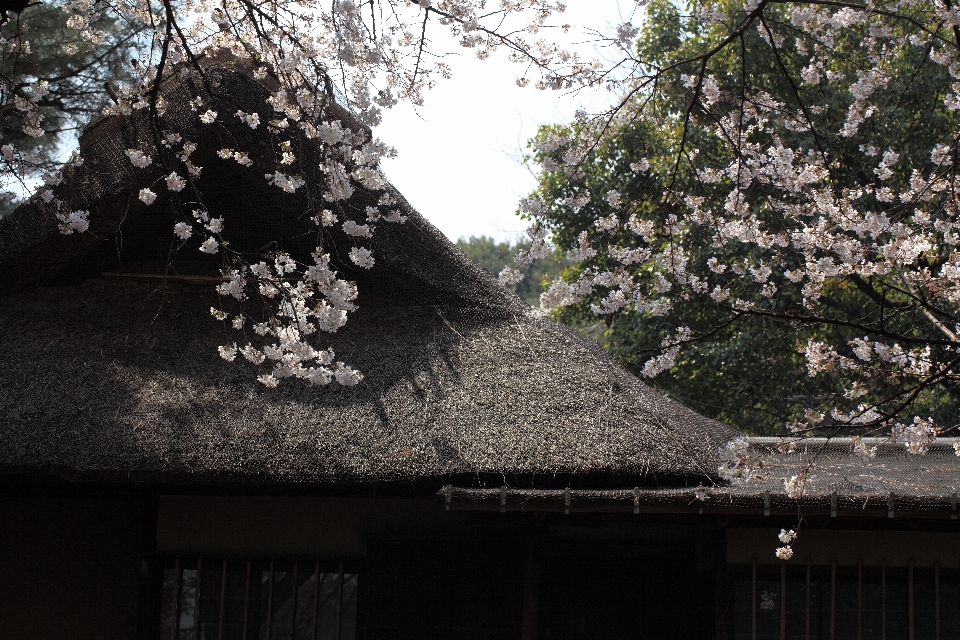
x=493 y=255
x=739 y=361
x=62 y=77
x=750 y=374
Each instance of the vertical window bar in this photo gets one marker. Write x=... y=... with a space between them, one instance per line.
x=316 y=598
x=860 y=599
x=339 y=599
x=246 y=602
x=174 y=618
x=783 y=600
x=196 y=600
x=293 y=603
x=883 y=599
x=833 y=599
x=910 y=616
x=270 y=600
x=753 y=601
x=223 y=599
x=936 y=599
x=806 y=605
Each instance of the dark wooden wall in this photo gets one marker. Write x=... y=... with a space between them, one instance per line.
x=442 y=590
x=590 y=594
x=78 y=567
x=578 y=578
x=70 y=567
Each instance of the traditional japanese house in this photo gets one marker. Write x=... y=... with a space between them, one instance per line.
x=494 y=476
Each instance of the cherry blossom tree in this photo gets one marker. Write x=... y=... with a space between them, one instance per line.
x=330 y=68
x=795 y=163
x=746 y=367
x=777 y=191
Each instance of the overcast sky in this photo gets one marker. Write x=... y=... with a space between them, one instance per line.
x=459 y=154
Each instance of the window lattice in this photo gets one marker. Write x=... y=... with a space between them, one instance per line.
x=804 y=602
x=251 y=599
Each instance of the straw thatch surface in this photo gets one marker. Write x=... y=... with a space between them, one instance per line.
x=114 y=379
x=837 y=470
x=109 y=378
x=894 y=483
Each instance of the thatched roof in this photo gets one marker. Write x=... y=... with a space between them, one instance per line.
x=116 y=378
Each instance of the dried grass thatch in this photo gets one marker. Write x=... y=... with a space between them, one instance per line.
x=117 y=378
x=894 y=483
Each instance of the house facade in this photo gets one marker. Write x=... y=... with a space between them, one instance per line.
x=151 y=562
x=494 y=476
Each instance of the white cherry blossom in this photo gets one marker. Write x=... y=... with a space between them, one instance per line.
x=147 y=196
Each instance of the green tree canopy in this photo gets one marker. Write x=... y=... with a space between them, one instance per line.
x=745 y=370
x=494 y=256
x=63 y=73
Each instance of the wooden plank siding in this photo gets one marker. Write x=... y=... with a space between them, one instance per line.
x=71 y=567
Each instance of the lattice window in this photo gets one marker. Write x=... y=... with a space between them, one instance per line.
x=257 y=599
x=831 y=602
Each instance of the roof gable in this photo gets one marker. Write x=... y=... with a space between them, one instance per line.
x=418 y=264
x=116 y=378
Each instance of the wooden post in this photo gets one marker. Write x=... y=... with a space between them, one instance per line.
x=175 y=617
x=723 y=595
x=753 y=601
x=293 y=602
x=807 y=604
x=316 y=597
x=223 y=599
x=196 y=600
x=246 y=601
x=151 y=572
x=883 y=600
x=783 y=600
x=339 y=600
x=270 y=601
x=860 y=599
x=936 y=598
x=910 y=616
x=833 y=600
x=531 y=589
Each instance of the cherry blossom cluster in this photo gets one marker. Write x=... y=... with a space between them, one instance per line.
x=318 y=302
x=736 y=461
x=320 y=60
x=786 y=537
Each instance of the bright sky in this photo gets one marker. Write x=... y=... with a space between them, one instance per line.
x=459 y=154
